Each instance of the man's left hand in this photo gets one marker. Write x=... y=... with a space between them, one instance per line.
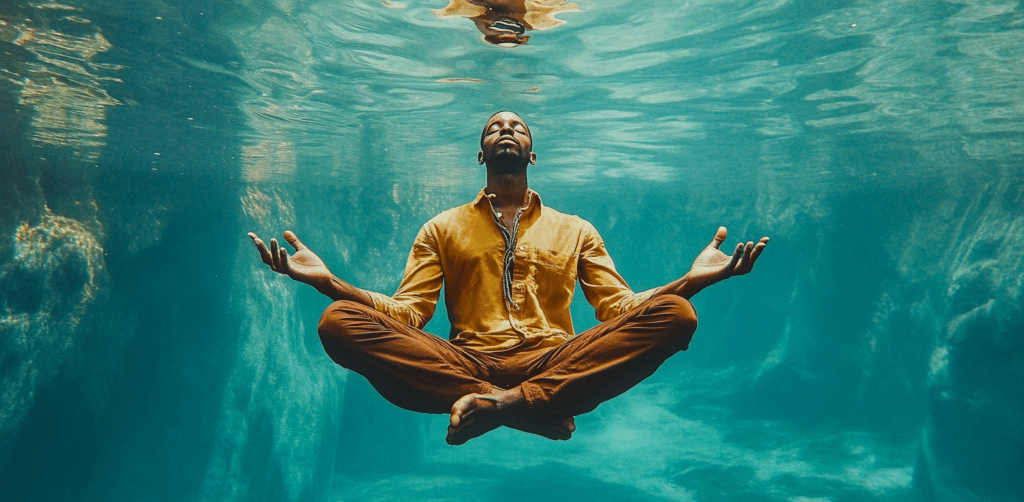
x=712 y=265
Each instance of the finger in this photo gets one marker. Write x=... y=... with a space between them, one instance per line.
x=744 y=265
x=758 y=248
x=720 y=236
x=283 y=260
x=262 y=248
x=274 y=255
x=730 y=268
x=294 y=240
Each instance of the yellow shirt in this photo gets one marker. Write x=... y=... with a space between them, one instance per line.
x=463 y=248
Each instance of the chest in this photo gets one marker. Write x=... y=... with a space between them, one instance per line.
x=481 y=247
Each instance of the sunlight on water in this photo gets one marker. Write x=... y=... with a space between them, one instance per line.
x=69 y=99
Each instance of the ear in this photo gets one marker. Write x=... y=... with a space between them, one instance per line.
x=533 y=157
x=480 y=157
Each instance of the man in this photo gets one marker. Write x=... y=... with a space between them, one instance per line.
x=510 y=266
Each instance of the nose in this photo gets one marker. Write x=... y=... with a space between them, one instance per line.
x=506 y=129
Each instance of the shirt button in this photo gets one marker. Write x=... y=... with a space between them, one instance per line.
x=522 y=248
x=498 y=214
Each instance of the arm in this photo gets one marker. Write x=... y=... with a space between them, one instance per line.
x=604 y=288
x=306 y=267
x=712 y=265
x=417 y=295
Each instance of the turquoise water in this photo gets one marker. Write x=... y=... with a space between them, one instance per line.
x=876 y=353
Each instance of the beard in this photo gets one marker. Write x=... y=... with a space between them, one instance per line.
x=508 y=162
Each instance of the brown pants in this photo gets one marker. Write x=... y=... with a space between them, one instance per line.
x=422 y=372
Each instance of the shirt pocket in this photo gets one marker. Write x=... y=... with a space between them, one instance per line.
x=551 y=267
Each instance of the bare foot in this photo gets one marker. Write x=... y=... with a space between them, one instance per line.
x=476 y=414
x=549 y=427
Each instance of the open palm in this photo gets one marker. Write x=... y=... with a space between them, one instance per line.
x=712 y=265
x=304 y=266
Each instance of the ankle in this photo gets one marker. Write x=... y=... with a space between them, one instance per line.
x=512 y=400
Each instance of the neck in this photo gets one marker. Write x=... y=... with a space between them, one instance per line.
x=509 y=189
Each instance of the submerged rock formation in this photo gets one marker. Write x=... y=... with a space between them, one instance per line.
x=972 y=441
x=53 y=276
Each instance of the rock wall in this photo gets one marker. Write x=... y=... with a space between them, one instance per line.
x=972 y=439
x=54 y=280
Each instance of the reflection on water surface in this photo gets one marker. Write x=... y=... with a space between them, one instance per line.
x=505 y=22
x=62 y=83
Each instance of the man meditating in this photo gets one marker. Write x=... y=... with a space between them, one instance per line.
x=510 y=266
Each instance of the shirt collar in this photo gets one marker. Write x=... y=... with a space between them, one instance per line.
x=532 y=197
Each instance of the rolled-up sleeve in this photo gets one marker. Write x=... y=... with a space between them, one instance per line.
x=416 y=298
x=604 y=288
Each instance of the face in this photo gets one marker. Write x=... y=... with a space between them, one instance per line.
x=506 y=139
x=502 y=26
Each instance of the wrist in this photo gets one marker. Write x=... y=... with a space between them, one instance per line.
x=685 y=289
x=337 y=289
x=688 y=287
x=325 y=285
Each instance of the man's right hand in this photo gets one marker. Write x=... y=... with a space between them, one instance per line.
x=305 y=266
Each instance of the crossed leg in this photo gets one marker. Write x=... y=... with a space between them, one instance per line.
x=421 y=372
x=577 y=376
x=410 y=368
x=418 y=371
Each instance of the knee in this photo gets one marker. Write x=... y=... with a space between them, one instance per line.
x=679 y=311
x=337 y=318
x=339 y=330
x=679 y=315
